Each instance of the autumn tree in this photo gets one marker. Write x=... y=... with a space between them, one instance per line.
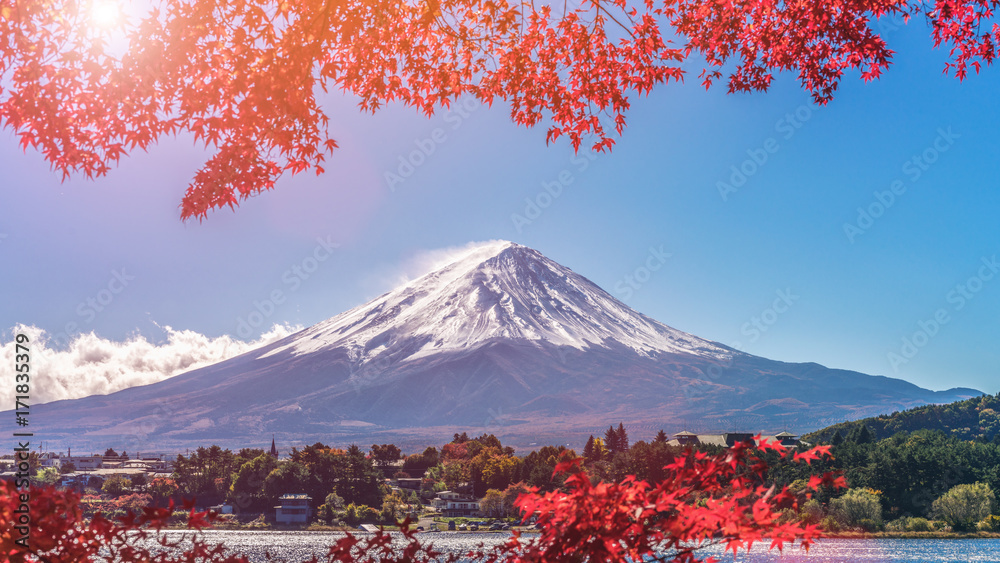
x=492 y=468
x=491 y=504
x=242 y=77
x=162 y=490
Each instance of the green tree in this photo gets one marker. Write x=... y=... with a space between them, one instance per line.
x=963 y=506
x=837 y=439
x=454 y=473
x=989 y=423
x=335 y=501
x=385 y=455
x=47 y=476
x=859 y=507
x=864 y=436
x=138 y=480
x=360 y=481
x=622 y=438
x=207 y=473
x=289 y=477
x=115 y=486
x=588 y=450
x=611 y=440
x=393 y=506
x=247 y=491
x=367 y=514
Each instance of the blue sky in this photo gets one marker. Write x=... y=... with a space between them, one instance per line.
x=774 y=249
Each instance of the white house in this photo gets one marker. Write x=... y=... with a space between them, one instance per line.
x=453 y=504
x=294 y=509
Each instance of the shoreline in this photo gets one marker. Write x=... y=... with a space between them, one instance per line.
x=912 y=535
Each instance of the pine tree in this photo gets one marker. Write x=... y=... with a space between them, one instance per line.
x=864 y=435
x=837 y=439
x=611 y=440
x=622 y=438
x=588 y=450
x=661 y=437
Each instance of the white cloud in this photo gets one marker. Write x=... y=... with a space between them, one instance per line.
x=426 y=261
x=93 y=365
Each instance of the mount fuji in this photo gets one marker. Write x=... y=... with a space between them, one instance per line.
x=500 y=340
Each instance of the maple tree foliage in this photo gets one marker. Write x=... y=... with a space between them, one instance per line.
x=704 y=500
x=242 y=76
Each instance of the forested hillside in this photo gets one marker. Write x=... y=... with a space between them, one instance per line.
x=972 y=419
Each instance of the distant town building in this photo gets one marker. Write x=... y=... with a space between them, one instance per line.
x=787 y=438
x=274 y=448
x=729 y=439
x=294 y=509
x=452 y=504
x=84 y=463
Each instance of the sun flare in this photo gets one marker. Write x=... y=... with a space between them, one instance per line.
x=105 y=14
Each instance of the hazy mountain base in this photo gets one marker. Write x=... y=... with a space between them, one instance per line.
x=525 y=394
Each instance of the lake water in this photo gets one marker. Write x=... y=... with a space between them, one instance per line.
x=298 y=546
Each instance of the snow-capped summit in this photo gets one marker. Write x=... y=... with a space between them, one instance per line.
x=497 y=290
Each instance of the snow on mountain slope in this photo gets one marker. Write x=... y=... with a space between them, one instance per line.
x=497 y=290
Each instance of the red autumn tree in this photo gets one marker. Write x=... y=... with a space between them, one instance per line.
x=705 y=499
x=241 y=76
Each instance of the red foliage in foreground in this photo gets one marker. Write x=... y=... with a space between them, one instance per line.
x=705 y=499
x=241 y=76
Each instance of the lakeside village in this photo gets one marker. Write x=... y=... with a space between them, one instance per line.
x=926 y=472
x=466 y=484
